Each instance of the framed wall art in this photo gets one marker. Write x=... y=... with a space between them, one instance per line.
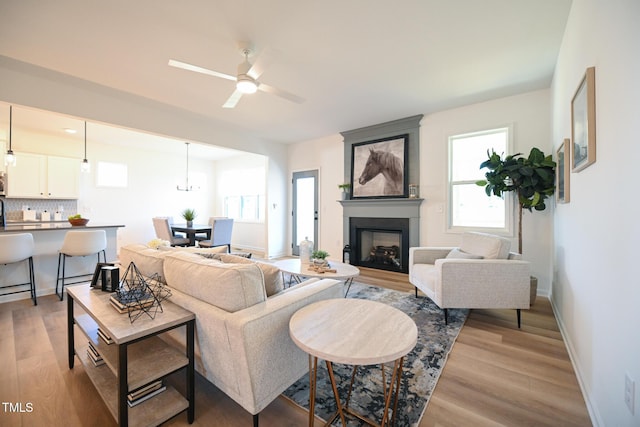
x=563 y=172
x=379 y=168
x=583 y=122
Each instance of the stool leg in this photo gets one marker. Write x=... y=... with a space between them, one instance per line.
x=64 y=263
x=58 y=273
x=32 y=282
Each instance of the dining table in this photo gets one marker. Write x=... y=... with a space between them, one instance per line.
x=192 y=231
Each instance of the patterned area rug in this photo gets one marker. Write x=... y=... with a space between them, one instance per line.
x=422 y=366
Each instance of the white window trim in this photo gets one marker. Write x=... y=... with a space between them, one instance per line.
x=510 y=211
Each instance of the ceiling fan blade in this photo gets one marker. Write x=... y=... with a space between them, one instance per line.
x=259 y=65
x=281 y=93
x=189 y=67
x=233 y=99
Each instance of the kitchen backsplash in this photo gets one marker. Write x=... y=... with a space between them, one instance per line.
x=14 y=208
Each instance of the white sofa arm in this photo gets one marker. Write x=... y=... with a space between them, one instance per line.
x=427 y=255
x=483 y=283
x=267 y=360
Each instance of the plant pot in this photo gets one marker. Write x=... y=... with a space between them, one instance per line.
x=189 y=223
x=320 y=262
x=533 y=290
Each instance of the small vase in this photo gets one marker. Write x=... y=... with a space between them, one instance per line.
x=189 y=223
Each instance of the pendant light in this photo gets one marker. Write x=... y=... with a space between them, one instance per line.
x=10 y=158
x=85 y=166
x=187 y=187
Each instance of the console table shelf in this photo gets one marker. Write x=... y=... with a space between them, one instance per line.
x=136 y=353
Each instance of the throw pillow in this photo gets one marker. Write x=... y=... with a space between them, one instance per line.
x=488 y=245
x=460 y=254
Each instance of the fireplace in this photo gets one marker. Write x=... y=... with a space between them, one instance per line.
x=380 y=232
x=381 y=243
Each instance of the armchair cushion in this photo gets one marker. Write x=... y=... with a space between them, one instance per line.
x=487 y=246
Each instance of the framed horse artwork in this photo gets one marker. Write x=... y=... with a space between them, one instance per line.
x=379 y=168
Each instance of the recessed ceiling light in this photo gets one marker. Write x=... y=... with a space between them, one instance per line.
x=69 y=130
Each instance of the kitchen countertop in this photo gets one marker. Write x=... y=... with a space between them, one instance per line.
x=52 y=225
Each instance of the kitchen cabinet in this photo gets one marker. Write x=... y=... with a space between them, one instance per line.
x=36 y=176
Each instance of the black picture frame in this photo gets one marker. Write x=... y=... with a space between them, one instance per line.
x=379 y=168
x=95 y=280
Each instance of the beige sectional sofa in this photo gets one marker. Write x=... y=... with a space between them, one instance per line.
x=242 y=318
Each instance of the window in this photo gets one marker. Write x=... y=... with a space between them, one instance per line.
x=242 y=192
x=469 y=205
x=111 y=175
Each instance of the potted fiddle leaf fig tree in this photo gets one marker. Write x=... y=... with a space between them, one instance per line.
x=533 y=180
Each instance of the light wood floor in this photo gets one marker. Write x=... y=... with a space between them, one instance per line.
x=495 y=375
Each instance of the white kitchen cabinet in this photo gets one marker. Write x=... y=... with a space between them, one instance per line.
x=36 y=176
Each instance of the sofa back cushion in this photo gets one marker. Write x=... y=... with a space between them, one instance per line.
x=148 y=261
x=488 y=246
x=231 y=287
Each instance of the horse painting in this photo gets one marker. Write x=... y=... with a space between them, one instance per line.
x=387 y=164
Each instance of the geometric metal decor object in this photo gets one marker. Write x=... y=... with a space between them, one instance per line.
x=137 y=295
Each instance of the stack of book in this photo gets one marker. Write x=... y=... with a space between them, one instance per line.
x=125 y=300
x=94 y=355
x=106 y=338
x=144 y=393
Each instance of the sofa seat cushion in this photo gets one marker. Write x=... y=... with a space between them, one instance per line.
x=487 y=246
x=425 y=277
x=231 y=287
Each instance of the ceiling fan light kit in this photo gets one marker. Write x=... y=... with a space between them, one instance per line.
x=246 y=84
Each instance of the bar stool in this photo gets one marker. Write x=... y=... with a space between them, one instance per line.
x=16 y=248
x=79 y=243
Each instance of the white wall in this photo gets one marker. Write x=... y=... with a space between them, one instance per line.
x=327 y=156
x=596 y=292
x=529 y=115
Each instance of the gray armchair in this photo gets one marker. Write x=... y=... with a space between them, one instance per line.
x=481 y=273
x=221 y=229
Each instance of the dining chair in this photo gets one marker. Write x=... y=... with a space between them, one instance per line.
x=162 y=226
x=221 y=229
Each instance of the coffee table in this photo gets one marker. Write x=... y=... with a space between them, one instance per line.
x=298 y=271
x=377 y=333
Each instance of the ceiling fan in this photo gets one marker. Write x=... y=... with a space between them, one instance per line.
x=246 y=79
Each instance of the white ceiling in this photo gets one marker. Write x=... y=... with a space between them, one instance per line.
x=355 y=62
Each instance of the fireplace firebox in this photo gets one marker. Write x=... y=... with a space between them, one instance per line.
x=381 y=243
